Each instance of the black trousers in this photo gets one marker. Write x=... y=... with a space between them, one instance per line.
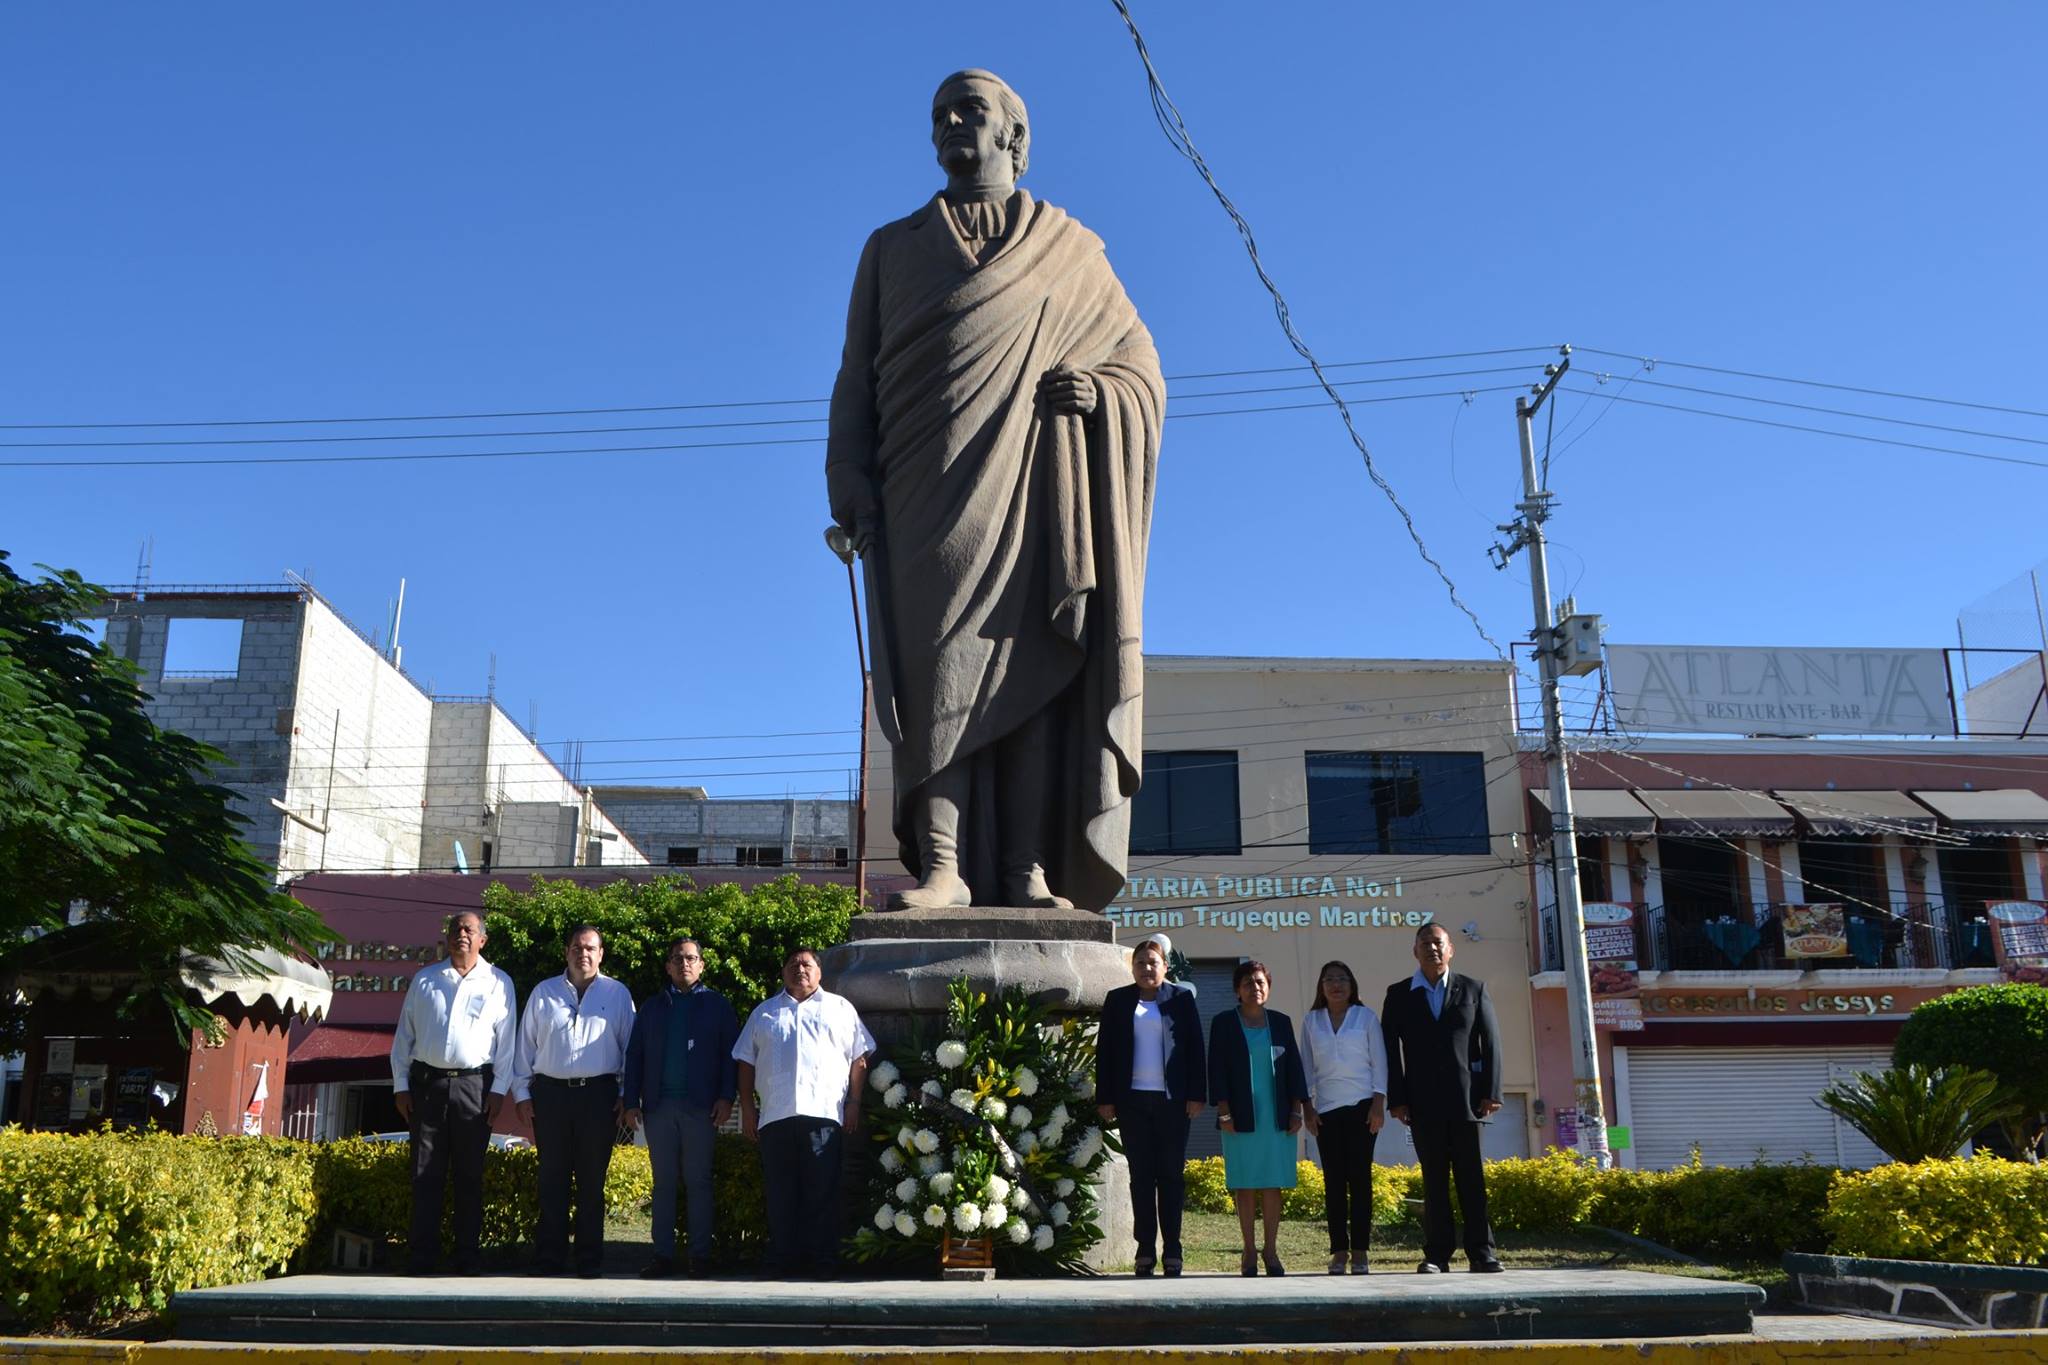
x=1448 y=1149
x=801 y=1160
x=1155 y=1134
x=575 y=1128
x=450 y=1132
x=1346 y=1142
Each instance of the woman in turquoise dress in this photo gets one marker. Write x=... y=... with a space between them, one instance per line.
x=1259 y=1088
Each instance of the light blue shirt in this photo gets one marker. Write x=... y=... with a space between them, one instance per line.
x=1433 y=993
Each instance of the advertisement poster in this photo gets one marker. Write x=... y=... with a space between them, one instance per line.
x=89 y=1092
x=1611 y=965
x=2019 y=939
x=53 y=1101
x=1814 y=931
x=131 y=1096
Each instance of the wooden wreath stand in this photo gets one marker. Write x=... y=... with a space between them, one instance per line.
x=967 y=1258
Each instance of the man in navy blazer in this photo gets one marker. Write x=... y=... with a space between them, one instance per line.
x=1443 y=1081
x=680 y=1083
x=1151 y=1079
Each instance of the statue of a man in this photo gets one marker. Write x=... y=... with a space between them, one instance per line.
x=994 y=439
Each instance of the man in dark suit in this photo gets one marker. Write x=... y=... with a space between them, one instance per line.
x=1151 y=1079
x=1443 y=1081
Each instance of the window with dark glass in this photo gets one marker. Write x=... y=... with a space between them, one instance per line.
x=681 y=857
x=1188 y=803
x=1396 y=803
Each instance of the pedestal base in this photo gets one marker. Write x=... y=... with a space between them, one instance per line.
x=900 y=964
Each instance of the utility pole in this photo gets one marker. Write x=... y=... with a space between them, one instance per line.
x=1526 y=531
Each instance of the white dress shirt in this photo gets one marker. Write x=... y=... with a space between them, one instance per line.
x=1148 y=1044
x=802 y=1053
x=457 y=1022
x=570 y=1037
x=1347 y=1064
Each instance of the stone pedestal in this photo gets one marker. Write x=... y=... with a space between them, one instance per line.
x=899 y=965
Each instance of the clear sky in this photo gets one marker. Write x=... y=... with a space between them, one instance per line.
x=260 y=211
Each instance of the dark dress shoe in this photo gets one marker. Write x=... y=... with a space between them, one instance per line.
x=1171 y=1267
x=1143 y=1266
x=1431 y=1268
x=589 y=1272
x=702 y=1267
x=1487 y=1267
x=548 y=1268
x=660 y=1268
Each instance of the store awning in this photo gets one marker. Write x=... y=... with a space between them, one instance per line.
x=1718 y=811
x=2006 y=811
x=1833 y=814
x=1603 y=811
x=294 y=985
x=340 y=1052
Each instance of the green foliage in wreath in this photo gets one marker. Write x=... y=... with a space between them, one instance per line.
x=988 y=1132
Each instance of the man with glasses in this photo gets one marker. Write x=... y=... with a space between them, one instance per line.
x=680 y=1082
x=451 y=1063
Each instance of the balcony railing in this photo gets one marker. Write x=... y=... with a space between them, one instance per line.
x=1727 y=938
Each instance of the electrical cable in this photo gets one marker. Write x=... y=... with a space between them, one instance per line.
x=1177 y=135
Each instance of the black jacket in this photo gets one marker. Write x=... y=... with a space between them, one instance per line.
x=1230 y=1071
x=1441 y=1068
x=1186 y=1074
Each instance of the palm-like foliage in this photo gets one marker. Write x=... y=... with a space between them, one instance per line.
x=1916 y=1113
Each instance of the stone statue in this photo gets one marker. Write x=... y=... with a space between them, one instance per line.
x=993 y=443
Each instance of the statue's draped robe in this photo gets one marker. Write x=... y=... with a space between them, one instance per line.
x=1014 y=538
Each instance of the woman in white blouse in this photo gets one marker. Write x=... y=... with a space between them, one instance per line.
x=1345 y=1055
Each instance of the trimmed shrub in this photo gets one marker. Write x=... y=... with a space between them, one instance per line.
x=1208 y=1194
x=1745 y=1213
x=1979 y=1211
x=2001 y=1029
x=96 y=1225
x=1551 y=1193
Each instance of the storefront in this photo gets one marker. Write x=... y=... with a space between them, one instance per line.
x=1763 y=914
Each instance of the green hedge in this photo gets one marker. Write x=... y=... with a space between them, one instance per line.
x=95 y=1226
x=1732 y=1212
x=1980 y=1211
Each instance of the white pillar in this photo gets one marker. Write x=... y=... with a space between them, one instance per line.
x=1617 y=868
x=1791 y=873
x=1759 y=889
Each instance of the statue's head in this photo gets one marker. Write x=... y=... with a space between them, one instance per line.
x=977 y=117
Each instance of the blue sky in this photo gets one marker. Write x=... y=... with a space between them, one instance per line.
x=262 y=211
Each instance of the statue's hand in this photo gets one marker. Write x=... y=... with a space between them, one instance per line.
x=1069 y=391
x=867 y=528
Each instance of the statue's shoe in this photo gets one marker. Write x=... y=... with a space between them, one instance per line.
x=1028 y=891
x=939 y=891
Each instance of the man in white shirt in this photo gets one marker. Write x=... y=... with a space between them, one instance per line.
x=802 y=1057
x=451 y=1063
x=572 y=1052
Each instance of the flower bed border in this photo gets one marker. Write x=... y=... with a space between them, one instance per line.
x=1938 y=1293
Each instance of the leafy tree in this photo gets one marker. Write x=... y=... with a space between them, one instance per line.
x=1914 y=1113
x=2003 y=1030
x=98 y=805
x=744 y=934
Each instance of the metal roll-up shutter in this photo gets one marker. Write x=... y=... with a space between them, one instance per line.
x=1742 y=1105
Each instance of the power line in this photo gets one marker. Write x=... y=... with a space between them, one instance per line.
x=404 y=456
x=635 y=430
x=1653 y=361
x=678 y=407
x=1177 y=135
x=1823 y=431
x=1832 y=412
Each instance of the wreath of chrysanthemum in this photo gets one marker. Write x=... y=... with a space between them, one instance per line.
x=988 y=1132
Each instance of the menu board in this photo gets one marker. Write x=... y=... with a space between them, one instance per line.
x=2019 y=939
x=1814 y=931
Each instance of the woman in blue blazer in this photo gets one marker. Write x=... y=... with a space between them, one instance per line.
x=1256 y=1080
x=1150 y=1082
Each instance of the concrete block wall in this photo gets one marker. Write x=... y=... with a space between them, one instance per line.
x=247 y=715
x=458 y=797
x=366 y=780
x=655 y=821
